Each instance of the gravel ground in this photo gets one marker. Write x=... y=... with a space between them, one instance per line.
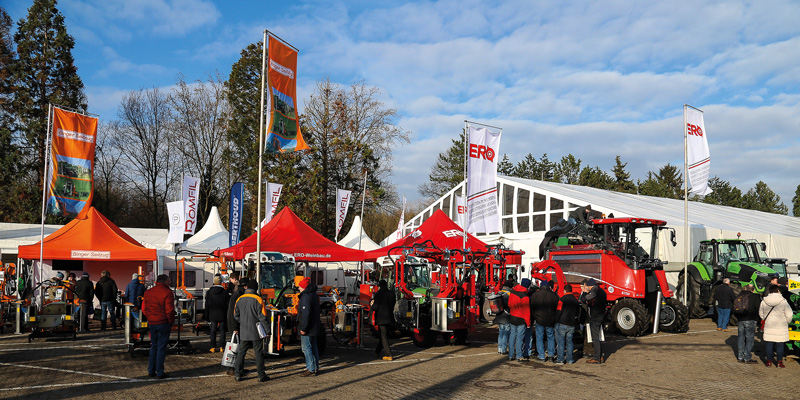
x=700 y=364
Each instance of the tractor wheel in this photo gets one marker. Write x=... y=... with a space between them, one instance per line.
x=674 y=316
x=630 y=317
x=424 y=339
x=696 y=310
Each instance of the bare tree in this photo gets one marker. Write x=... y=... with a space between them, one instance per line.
x=142 y=137
x=200 y=113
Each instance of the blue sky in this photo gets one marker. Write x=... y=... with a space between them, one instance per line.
x=595 y=79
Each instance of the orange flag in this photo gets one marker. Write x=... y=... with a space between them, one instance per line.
x=71 y=177
x=284 y=124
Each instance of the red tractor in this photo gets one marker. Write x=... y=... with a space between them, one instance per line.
x=620 y=254
x=497 y=265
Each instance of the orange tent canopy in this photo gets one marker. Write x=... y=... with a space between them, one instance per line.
x=93 y=238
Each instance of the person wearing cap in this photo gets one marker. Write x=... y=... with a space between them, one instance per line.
x=106 y=292
x=308 y=324
x=84 y=289
x=527 y=338
x=216 y=313
x=249 y=310
x=502 y=318
x=56 y=291
x=382 y=305
x=520 y=318
x=545 y=304
x=566 y=319
x=158 y=306
x=596 y=301
x=133 y=295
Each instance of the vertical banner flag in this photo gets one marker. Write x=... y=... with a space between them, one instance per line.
x=273 y=197
x=191 y=195
x=461 y=211
x=342 y=202
x=402 y=221
x=71 y=173
x=699 y=159
x=284 y=126
x=176 y=212
x=235 y=213
x=482 y=211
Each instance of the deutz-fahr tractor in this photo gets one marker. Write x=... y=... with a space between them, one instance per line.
x=620 y=254
x=735 y=259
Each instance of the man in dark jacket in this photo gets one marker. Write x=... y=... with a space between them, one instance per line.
x=747 y=325
x=502 y=318
x=133 y=295
x=568 y=308
x=233 y=325
x=595 y=298
x=724 y=297
x=158 y=306
x=85 y=292
x=248 y=311
x=217 y=312
x=382 y=305
x=545 y=304
x=106 y=292
x=519 y=306
x=308 y=324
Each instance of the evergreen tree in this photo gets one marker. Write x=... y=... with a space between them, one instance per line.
x=762 y=198
x=505 y=167
x=531 y=168
x=9 y=150
x=723 y=193
x=596 y=178
x=447 y=172
x=622 y=178
x=796 y=202
x=667 y=183
x=526 y=168
x=568 y=170
x=45 y=74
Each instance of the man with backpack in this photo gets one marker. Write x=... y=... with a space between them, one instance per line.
x=745 y=307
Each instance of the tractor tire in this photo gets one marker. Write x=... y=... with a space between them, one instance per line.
x=630 y=317
x=696 y=310
x=674 y=316
x=424 y=339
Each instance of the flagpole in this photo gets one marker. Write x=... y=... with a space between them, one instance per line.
x=464 y=186
x=363 y=200
x=685 y=208
x=45 y=184
x=260 y=158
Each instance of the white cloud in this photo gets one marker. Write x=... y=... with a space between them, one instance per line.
x=124 y=19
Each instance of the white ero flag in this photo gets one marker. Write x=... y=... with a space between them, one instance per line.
x=699 y=159
x=461 y=210
x=402 y=221
x=482 y=211
x=273 y=197
x=176 y=213
x=191 y=195
x=342 y=202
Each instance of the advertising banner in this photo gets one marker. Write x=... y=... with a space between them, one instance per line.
x=284 y=125
x=699 y=158
x=402 y=221
x=273 y=197
x=461 y=211
x=235 y=213
x=191 y=197
x=342 y=203
x=71 y=176
x=176 y=213
x=482 y=210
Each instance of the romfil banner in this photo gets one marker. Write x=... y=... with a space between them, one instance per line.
x=284 y=125
x=191 y=200
x=71 y=173
x=482 y=211
x=697 y=149
x=235 y=213
x=342 y=203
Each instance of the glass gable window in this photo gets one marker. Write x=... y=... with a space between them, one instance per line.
x=508 y=225
x=556 y=204
x=523 y=201
x=523 y=224
x=508 y=199
x=554 y=217
x=538 y=223
x=446 y=206
x=539 y=202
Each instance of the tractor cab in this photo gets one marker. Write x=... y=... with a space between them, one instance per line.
x=276 y=277
x=736 y=259
x=634 y=240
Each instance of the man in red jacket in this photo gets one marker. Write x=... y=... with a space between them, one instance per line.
x=520 y=319
x=158 y=307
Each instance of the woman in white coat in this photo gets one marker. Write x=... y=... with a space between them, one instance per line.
x=777 y=314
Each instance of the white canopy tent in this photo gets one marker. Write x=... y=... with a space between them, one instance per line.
x=355 y=234
x=213 y=236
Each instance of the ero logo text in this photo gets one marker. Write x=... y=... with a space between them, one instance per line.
x=481 y=151
x=694 y=130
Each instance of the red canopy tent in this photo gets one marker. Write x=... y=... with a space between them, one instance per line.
x=287 y=233
x=97 y=242
x=439 y=229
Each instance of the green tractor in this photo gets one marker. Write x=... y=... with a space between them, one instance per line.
x=735 y=259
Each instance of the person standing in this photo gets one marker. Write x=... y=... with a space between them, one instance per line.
x=527 y=337
x=503 y=318
x=309 y=324
x=596 y=301
x=85 y=292
x=133 y=295
x=724 y=297
x=383 y=306
x=520 y=318
x=748 y=318
x=106 y=292
x=237 y=290
x=248 y=311
x=217 y=312
x=568 y=309
x=545 y=305
x=777 y=314
x=158 y=306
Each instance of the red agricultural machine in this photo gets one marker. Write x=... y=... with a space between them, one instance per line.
x=621 y=255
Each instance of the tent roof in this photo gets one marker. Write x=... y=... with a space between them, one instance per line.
x=93 y=238
x=213 y=236
x=287 y=233
x=439 y=229
x=356 y=232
